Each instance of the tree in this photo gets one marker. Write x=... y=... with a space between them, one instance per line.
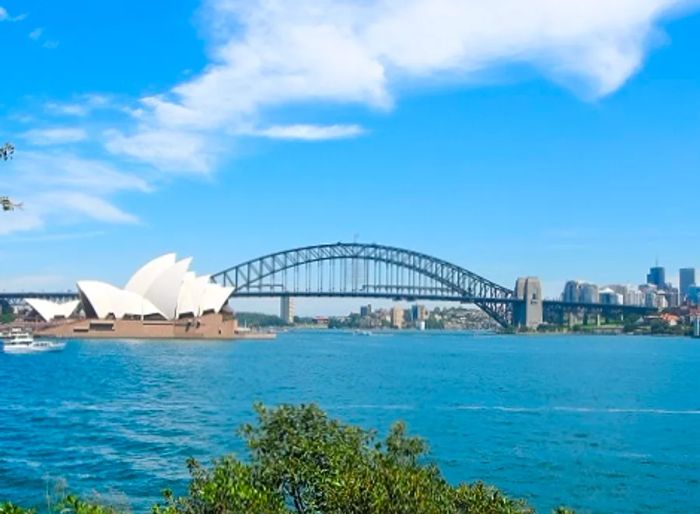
x=303 y=462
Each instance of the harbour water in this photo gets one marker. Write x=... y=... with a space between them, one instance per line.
x=603 y=424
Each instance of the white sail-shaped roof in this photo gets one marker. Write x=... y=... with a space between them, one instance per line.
x=141 y=281
x=165 y=288
x=105 y=299
x=185 y=299
x=49 y=310
x=215 y=297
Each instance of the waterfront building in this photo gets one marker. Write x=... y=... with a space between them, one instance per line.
x=287 y=310
x=633 y=296
x=672 y=297
x=419 y=313
x=162 y=299
x=694 y=295
x=365 y=311
x=609 y=297
x=49 y=311
x=397 y=317
x=657 y=277
x=589 y=293
x=572 y=291
x=686 y=279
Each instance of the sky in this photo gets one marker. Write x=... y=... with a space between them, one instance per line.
x=557 y=139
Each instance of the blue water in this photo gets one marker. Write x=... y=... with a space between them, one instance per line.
x=604 y=424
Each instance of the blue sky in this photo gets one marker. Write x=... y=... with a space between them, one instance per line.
x=523 y=138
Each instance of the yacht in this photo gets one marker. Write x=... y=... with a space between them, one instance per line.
x=21 y=341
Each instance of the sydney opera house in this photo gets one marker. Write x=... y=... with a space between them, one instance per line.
x=163 y=299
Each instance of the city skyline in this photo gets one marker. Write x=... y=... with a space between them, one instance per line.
x=412 y=160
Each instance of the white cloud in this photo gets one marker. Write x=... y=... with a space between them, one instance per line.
x=36 y=33
x=309 y=132
x=272 y=53
x=168 y=150
x=55 y=136
x=5 y=16
x=82 y=105
x=61 y=188
x=94 y=207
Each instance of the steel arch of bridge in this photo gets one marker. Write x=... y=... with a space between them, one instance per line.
x=366 y=270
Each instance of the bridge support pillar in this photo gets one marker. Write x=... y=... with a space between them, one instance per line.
x=529 y=312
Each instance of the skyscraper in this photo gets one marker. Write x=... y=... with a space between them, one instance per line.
x=687 y=279
x=657 y=277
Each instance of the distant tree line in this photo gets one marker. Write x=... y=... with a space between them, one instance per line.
x=259 y=320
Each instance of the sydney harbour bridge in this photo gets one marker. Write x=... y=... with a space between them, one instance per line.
x=355 y=270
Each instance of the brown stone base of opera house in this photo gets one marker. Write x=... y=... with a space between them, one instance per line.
x=208 y=326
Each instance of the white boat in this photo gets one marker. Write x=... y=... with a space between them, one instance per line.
x=21 y=341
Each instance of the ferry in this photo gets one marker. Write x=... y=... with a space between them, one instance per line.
x=21 y=341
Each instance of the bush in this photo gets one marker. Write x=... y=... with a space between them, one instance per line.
x=303 y=462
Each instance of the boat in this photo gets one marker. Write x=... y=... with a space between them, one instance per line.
x=21 y=341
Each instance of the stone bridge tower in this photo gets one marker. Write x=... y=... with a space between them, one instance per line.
x=529 y=313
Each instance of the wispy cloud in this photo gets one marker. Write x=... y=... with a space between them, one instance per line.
x=309 y=132
x=270 y=54
x=81 y=106
x=61 y=188
x=5 y=16
x=55 y=136
x=38 y=35
x=266 y=55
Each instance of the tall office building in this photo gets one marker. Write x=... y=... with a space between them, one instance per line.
x=588 y=293
x=572 y=292
x=287 y=309
x=657 y=277
x=419 y=313
x=365 y=310
x=687 y=279
x=397 y=315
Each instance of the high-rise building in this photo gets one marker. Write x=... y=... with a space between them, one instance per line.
x=287 y=309
x=419 y=313
x=687 y=279
x=572 y=292
x=365 y=310
x=608 y=296
x=657 y=277
x=588 y=293
x=694 y=295
x=397 y=317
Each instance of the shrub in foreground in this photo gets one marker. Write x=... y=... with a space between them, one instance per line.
x=301 y=461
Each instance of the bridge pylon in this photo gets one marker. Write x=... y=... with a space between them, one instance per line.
x=528 y=313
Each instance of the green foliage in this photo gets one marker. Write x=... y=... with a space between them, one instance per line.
x=9 y=508
x=303 y=462
x=257 y=319
x=230 y=486
x=74 y=505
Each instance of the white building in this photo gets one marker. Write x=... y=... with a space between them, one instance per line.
x=162 y=289
x=609 y=297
